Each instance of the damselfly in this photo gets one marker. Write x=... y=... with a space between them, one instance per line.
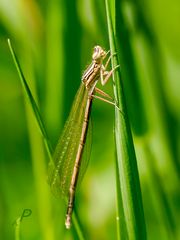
x=68 y=161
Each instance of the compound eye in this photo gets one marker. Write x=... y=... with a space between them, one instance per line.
x=96 y=52
x=95 y=49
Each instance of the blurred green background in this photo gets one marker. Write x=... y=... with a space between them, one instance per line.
x=54 y=42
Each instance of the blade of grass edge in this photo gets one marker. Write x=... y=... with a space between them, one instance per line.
x=125 y=153
x=40 y=124
x=120 y=218
x=32 y=102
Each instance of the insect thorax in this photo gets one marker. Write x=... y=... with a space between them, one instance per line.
x=91 y=74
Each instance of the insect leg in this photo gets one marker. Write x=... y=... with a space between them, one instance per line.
x=106 y=74
x=107 y=62
x=102 y=93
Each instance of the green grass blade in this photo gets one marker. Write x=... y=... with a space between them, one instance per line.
x=31 y=99
x=40 y=126
x=121 y=224
x=77 y=226
x=126 y=159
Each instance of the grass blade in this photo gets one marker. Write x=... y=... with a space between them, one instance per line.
x=31 y=100
x=126 y=159
x=40 y=123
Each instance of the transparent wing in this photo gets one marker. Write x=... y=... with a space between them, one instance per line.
x=65 y=153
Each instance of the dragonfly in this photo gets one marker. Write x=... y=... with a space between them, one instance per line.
x=69 y=166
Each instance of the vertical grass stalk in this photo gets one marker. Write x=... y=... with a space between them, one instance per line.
x=128 y=176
